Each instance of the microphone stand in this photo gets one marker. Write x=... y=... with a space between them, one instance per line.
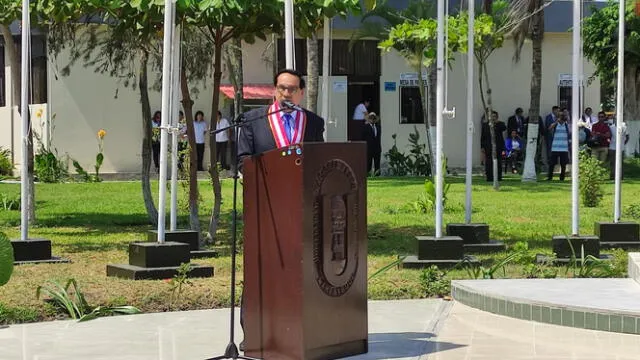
x=231 y=351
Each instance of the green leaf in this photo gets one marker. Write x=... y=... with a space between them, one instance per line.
x=6 y=259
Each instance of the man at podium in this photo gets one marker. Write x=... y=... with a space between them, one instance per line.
x=283 y=123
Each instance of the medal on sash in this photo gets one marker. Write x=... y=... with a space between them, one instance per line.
x=278 y=130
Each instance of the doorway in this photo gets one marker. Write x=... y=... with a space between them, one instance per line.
x=359 y=90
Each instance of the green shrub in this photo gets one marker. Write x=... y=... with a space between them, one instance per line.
x=6 y=259
x=49 y=168
x=433 y=282
x=6 y=167
x=416 y=163
x=592 y=174
x=633 y=211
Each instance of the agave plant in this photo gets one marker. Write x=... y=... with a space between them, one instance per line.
x=74 y=303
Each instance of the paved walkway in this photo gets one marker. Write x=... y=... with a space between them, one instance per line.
x=409 y=329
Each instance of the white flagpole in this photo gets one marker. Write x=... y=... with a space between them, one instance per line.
x=439 y=110
x=617 y=208
x=166 y=116
x=575 y=114
x=326 y=68
x=175 y=109
x=24 y=112
x=289 y=34
x=470 y=93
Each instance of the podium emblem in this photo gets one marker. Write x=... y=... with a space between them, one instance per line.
x=335 y=232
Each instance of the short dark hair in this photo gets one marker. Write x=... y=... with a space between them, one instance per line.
x=181 y=113
x=602 y=113
x=219 y=113
x=519 y=110
x=555 y=107
x=587 y=108
x=198 y=113
x=290 y=72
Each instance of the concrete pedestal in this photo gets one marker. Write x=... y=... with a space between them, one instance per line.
x=189 y=237
x=447 y=251
x=621 y=235
x=562 y=249
x=155 y=261
x=590 y=244
x=34 y=251
x=475 y=237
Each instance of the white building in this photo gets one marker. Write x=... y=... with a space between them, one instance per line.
x=84 y=102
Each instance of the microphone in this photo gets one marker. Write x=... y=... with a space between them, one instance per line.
x=289 y=105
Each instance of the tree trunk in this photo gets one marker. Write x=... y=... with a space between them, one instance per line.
x=428 y=112
x=14 y=63
x=632 y=107
x=187 y=105
x=152 y=211
x=213 y=168
x=529 y=173
x=313 y=73
x=274 y=64
x=233 y=57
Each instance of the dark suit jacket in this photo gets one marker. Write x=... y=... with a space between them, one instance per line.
x=256 y=136
x=512 y=124
x=373 y=140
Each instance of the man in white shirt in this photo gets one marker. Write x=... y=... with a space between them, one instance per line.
x=222 y=140
x=359 y=115
x=588 y=118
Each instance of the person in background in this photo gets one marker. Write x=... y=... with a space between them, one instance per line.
x=600 y=138
x=359 y=116
x=588 y=118
x=560 y=136
x=200 y=128
x=485 y=144
x=155 y=138
x=371 y=134
x=516 y=122
x=513 y=147
x=222 y=141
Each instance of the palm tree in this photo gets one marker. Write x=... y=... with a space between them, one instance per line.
x=416 y=10
x=531 y=27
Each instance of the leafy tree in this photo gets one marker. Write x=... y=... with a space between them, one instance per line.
x=310 y=15
x=222 y=21
x=122 y=49
x=416 y=41
x=532 y=27
x=600 y=31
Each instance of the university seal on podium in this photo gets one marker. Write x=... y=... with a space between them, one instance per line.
x=335 y=227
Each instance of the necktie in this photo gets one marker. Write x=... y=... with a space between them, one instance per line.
x=375 y=131
x=288 y=125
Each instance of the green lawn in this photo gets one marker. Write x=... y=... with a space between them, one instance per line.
x=92 y=223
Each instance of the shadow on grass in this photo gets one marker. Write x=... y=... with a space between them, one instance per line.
x=387 y=240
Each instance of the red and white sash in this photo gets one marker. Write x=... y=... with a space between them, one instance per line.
x=278 y=130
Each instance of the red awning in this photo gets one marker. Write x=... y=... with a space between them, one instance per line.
x=254 y=91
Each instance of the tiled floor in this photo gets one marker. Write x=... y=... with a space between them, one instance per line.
x=407 y=329
x=470 y=334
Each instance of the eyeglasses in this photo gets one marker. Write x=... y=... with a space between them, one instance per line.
x=292 y=89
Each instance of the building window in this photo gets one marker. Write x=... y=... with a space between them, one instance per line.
x=411 y=111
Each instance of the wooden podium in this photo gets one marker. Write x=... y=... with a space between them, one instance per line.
x=305 y=252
